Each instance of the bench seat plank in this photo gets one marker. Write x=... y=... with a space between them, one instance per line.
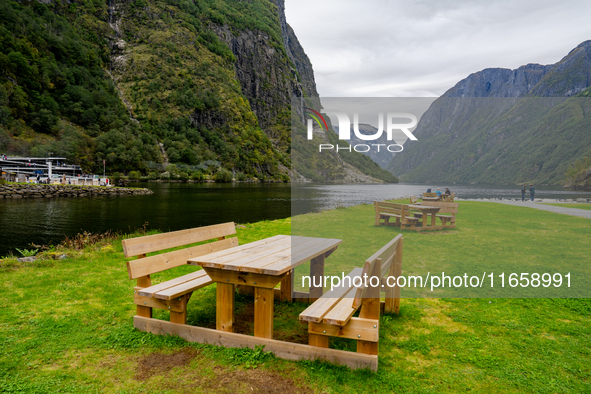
x=343 y=311
x=390 y=214
x=185 y=288
x=152 y=290
x=418 y=216
x=316 y=312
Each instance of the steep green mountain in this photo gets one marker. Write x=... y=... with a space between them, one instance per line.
x=578 y=175
x=144 y=83
x=505 y=126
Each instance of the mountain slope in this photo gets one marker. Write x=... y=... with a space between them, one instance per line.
x=141 y=83
x=504 y=126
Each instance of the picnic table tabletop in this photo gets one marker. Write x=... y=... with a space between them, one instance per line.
x=271 y=256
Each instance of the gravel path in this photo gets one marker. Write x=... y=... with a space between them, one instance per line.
x=582 y=213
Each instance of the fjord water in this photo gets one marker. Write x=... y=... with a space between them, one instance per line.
x=176 y=206
x=173 y=206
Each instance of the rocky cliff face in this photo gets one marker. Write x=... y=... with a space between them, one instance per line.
x=269 y=76
x=266 y=78
x=504 y=126
x=499 y=82
x=568 y=77
x=296 y=53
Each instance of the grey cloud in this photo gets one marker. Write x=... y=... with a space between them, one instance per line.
x=422 y=48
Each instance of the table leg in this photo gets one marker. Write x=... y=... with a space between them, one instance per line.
x=224 y=307
x=424 y=219
x=263 y=312
x=286 y=288
x=318 y=340
x=433 y=217
x=316 y=275
x=370 y=309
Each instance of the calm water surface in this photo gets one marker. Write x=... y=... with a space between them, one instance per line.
x=173 y=206
x=176 y=206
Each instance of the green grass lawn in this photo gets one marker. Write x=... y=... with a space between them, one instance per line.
x=66 y=325
x=577 y=206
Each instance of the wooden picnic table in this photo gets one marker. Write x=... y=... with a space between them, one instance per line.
x=262 y=265
x=431 y=198
x=426 y=210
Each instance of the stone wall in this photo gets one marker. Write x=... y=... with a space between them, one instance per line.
x=48 y=191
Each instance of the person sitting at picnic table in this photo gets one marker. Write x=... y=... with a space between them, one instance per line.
x=438 y=193
x=429 y=190
x=447 y=192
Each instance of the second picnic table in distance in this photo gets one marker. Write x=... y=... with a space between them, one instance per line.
x=262 y=265
x=426 y=210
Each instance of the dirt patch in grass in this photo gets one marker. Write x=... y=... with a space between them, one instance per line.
x=158 y=363
x=244 y=319
x=294 y=335
x=252 y=381
x=287 y=326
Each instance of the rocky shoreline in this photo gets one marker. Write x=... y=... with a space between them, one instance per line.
x=16 y=191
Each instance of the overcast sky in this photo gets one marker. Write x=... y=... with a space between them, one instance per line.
x=414 y=48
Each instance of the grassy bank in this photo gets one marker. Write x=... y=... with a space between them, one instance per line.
x=66 y=325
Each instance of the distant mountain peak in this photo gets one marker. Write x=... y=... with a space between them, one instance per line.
x=521 y=137
x=532 y=79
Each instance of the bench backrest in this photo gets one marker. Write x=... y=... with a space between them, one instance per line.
x=392 y=208
x=429 y=194
x=378 y=265
x=139 y=246
x=446 y=207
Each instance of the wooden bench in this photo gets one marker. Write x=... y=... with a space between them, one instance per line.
x=332 y=314
x=386 y=210
x=430 y=197
x=448 y=197
x=450 y=208
x=172 y=295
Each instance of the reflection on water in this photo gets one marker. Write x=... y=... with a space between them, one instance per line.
x=173 y=206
